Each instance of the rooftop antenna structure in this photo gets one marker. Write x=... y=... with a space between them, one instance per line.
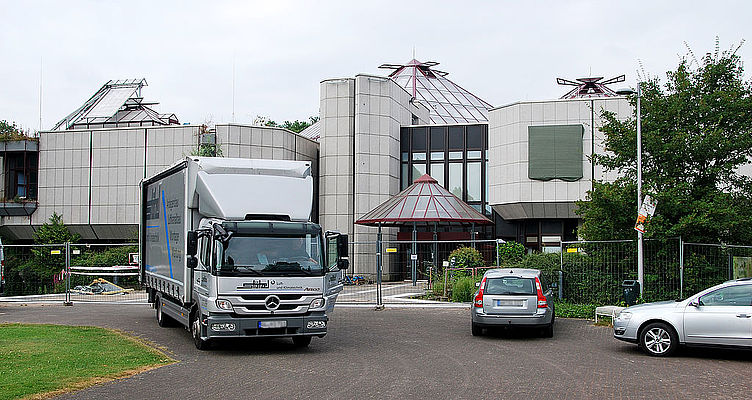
x=233 y=87
x=40 y=94
x=589 y=87
x=446 y=101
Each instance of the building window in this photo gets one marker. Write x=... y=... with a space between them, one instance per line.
x=437 y=172
x=555 y=152
x=418 y=171
x=474 y=137
x=474 y=183
x=419 y=139
x=21 y=176
x=438 y=139
x=456 y=138
x=405 y=176
x=455 y=179
x=455 y=155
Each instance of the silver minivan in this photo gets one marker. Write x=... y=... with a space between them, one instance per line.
x=513 y=297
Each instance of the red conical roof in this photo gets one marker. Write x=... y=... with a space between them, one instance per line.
x=423 y=201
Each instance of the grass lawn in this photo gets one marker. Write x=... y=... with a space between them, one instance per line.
x=36 y=359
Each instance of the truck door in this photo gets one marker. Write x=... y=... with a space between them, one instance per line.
x=202 y=272
x=333 y=279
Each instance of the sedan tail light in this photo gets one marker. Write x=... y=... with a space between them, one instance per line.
x=542 y=302
x=478 y=302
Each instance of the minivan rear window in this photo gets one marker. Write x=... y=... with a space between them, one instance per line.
x=510 y=286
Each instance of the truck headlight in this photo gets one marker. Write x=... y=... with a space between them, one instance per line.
x=223 y=304
x=317 y=303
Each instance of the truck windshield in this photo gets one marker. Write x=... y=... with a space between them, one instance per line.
x=288 y=255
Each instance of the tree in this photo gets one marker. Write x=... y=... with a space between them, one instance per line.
x=43 y=263
x=696 y=134
x=295 y=126
x=10 y=131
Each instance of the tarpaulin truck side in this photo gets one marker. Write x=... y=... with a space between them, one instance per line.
x=228 y=250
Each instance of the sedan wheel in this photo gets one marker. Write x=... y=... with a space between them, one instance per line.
x=659 y=340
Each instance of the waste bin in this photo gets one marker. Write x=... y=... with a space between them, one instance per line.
x=631 y=291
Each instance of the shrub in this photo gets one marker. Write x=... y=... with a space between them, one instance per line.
x=463 y=288
x=510 y=252
x=467 y=257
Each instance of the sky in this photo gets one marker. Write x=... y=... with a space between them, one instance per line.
x=502 y=51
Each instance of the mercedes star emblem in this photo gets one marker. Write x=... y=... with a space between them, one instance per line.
x=272 y=302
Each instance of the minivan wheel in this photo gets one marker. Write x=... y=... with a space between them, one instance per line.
x=659 y=340
x=476 y=330
x=201 y=344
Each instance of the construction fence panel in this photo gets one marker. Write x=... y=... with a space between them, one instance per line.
x=67 y=272
x=402 y=277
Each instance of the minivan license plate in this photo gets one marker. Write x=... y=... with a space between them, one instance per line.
x=272 y=324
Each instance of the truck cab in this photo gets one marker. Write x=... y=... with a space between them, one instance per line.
x=265 y=278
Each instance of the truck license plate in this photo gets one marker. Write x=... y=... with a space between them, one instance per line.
x=272 y=324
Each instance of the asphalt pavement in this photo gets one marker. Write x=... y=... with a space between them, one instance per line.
x=405 y=353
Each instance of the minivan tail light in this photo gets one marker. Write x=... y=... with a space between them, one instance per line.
x=478 y=302
x=542 y=302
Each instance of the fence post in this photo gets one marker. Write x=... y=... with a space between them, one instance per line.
x=67 y=301
x=730 y=258
x=446 y=271
x=497 y=252
x=379 y=248
x=681 y=268
x=561 y=268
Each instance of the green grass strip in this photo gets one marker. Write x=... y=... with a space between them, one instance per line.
x=38 y=359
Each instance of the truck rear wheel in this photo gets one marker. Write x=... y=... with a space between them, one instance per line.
x=201 y=344
x=301 y=341
x=162 y=319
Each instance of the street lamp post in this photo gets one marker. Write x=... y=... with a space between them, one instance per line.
x=640 y=257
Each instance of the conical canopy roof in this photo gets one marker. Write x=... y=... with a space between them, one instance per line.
x=423 y=201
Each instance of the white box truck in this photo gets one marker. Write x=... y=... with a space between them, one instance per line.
x=227 y=250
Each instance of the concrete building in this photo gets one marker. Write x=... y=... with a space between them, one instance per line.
x=89 y=167
x=540 y=156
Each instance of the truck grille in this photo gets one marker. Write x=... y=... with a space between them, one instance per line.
x=264 y=296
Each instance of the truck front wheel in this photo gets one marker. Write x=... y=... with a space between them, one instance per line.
x=201 y=344
x=301 y=341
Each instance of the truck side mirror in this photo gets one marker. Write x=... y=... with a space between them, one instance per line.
x=343 y=263
x=191 y=243
x=192 y=262
x=342 y=245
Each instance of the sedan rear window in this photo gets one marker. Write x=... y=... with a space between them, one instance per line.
x=510 y=286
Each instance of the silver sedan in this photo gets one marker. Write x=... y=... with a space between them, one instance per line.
x=719 y=316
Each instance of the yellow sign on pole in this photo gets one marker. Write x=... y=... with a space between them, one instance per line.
x=572 y=250
x=391 y=249
x=54 y=251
